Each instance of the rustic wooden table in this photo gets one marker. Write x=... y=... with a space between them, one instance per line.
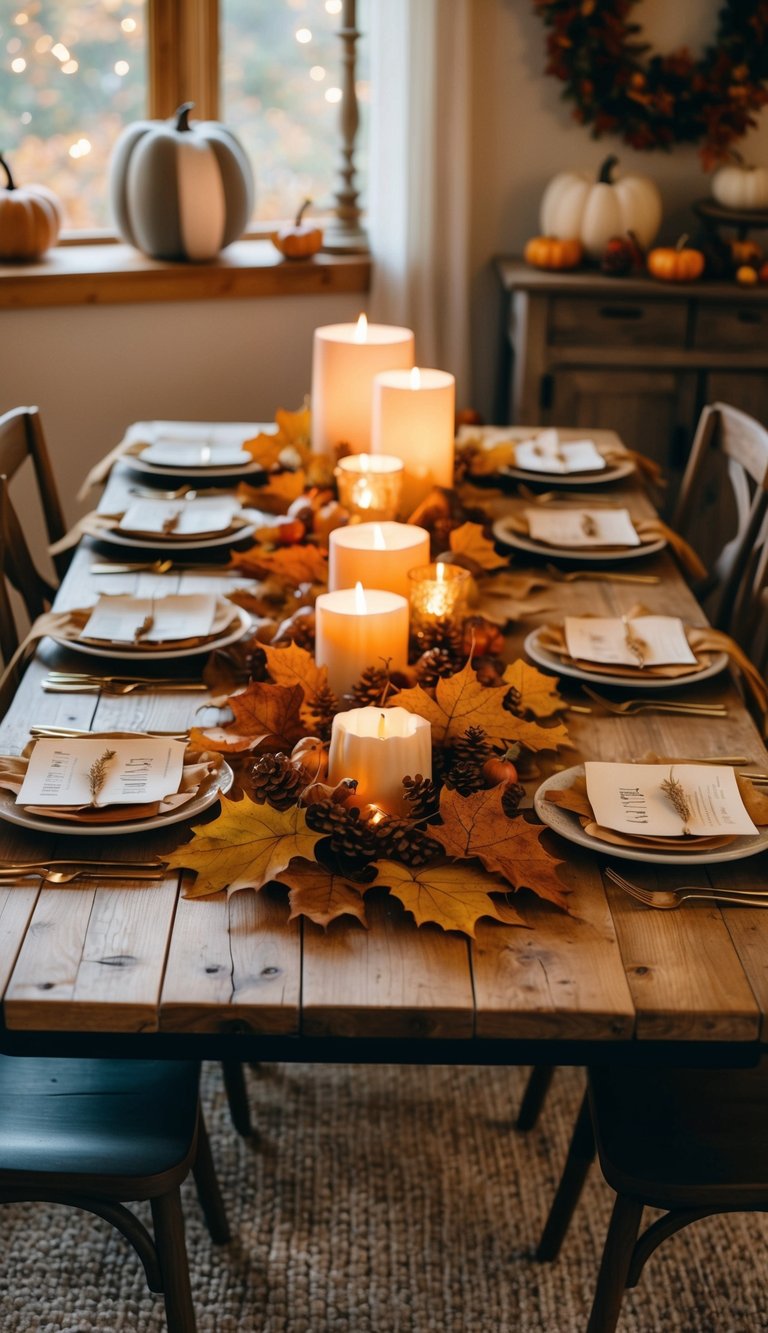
x=139 y=969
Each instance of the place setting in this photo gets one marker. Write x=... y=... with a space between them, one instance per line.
x=547 y=455
x=163 y=449
x=183 y=525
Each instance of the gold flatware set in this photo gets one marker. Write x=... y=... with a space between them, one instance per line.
x=63 y=871
x=77 y=682
x=667 y=900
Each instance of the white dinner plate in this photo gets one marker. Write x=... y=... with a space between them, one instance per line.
x=611 y=472
x=566 y=823
x=584 y=554
x=194 y=456
x=171 y=544
x=138 y=464
x=542 y=657
x=17 y=814
x=163 y=652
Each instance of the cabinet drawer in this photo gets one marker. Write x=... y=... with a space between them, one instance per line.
x=609 y=321
x=736 y=327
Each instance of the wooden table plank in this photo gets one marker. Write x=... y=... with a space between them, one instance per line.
x=392 y=980
x=233 y=966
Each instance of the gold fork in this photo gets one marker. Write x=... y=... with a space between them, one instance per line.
x=631 y=706
x=667 y=899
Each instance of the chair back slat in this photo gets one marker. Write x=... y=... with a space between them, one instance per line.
x=22 y=437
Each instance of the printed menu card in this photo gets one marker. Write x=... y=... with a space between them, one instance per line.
x=547 y=453
x=125 y=619
x=581 y=527
x=102 y=771
x=667 y=800
x=628 y=641
x=179 y=518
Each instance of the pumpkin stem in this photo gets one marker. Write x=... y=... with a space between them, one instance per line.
x=682 y=241
x=604 y=174
x=182 y=116
x=301 y=212
x=512 y=753
x=10 y=182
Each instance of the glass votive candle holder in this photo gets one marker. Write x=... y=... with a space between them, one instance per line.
x=438 y=592
x=370 y=485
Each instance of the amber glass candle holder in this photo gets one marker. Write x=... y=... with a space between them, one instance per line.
x=438 y=592
x=370 y=486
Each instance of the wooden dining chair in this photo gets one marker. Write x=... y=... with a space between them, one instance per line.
x=22 y=442
x=722 y=506
x=95 y=1134
x=691 y=1142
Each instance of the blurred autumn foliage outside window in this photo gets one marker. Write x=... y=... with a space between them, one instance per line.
x=73 y=74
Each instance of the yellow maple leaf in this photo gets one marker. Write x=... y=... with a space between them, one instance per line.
x=487 y=462
x=265 y=449
x=280 y=490
x=246 y=846
x=321 y=894
x=478 y=825
x=461 y=701
x=294 y=426
x=293 y=665
x=538 y=693
x=291 y=564
x=453 y=897
x=470 y=540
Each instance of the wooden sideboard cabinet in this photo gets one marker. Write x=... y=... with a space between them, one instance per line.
x=631 y=354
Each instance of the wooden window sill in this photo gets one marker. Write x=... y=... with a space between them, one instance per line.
x=101 y=274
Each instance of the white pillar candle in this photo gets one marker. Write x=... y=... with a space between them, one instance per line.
x=414 y=419
x=345 y=359
x=378 y=555
x=370 y=486
x=357 y=628
x=379 y=747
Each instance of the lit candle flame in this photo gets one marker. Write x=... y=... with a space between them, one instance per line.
x=379 y=543
x=361 y=330
x=415 y=378
x=361 y=606
x=382 y=727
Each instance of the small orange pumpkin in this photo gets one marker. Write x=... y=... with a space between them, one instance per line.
x=312 y=754
x=30 y=218
x=677 y=263
x=552 y=252
x=746 y=252
x=300 y=239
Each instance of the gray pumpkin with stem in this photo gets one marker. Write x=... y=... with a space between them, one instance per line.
x=180 y=190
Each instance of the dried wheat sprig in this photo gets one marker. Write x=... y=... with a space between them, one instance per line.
x=674 y=789
x=171 y=522
x=635 y=644
x=588 y=525
x=97 y=774
x=144 y=628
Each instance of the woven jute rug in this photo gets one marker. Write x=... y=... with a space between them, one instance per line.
x=383 y=1200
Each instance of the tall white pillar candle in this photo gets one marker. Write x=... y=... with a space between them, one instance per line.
x=345 y=359
x=378 y=555
x=378 y=747
x=414 y=419
x=357 y=628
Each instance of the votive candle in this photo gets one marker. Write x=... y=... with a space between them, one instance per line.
x=378 y=555
x=414 y=419
x=370 y=485
x=378 y=747
x=357 y=628
x=345 y=359
x=438 y=592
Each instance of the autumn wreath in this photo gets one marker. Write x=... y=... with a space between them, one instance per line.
x=654 y=101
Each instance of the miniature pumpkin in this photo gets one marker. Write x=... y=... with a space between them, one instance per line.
x=677 y=263
x=501 y=767
x=574 y=204
x=180 y=191
x=746 y=252
x=746 y=275
x=30 y=218
x=553 y=252
x=300 y=239
x=740 y=186
x=312 y=754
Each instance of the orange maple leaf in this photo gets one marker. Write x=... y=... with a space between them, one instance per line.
x=269 y=712
x=293 y=665
x=265 y=448
x=453 y=897
x=538 y=693
x=471 y=541
x=461 y=701
x=279 y=491
x=294 y=426
x=291 y=564
x=321 y=894
x=478 y=825
x=245 y=847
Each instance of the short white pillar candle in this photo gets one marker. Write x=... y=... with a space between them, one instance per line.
x=414 y=419
x=357 y=628
x=378 y=555
x=378 y=747
x=345 y=359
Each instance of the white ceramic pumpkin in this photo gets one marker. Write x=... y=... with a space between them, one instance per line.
x=593 y=210
x=180 y=190
x=738 y=186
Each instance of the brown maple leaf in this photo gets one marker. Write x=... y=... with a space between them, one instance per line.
x=477 y=825
x=245 y=847
x=270 y=712
x=293 y=665
x=538 y=693
x=321 y=894
x=470 y=540
x=461 y=702
x=453 y=897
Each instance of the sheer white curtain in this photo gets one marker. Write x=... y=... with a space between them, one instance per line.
x=419 y=176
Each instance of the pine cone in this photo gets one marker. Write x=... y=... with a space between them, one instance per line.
x=474 y=745
x=372 y=687
x=351 y=838
x=422 y=796
x=511 y=797
x=464 y=771
x=434 y=665
x=400 y=840
x=442 y=634
x=276 y=780
x=512 y=700
x=321 y=709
